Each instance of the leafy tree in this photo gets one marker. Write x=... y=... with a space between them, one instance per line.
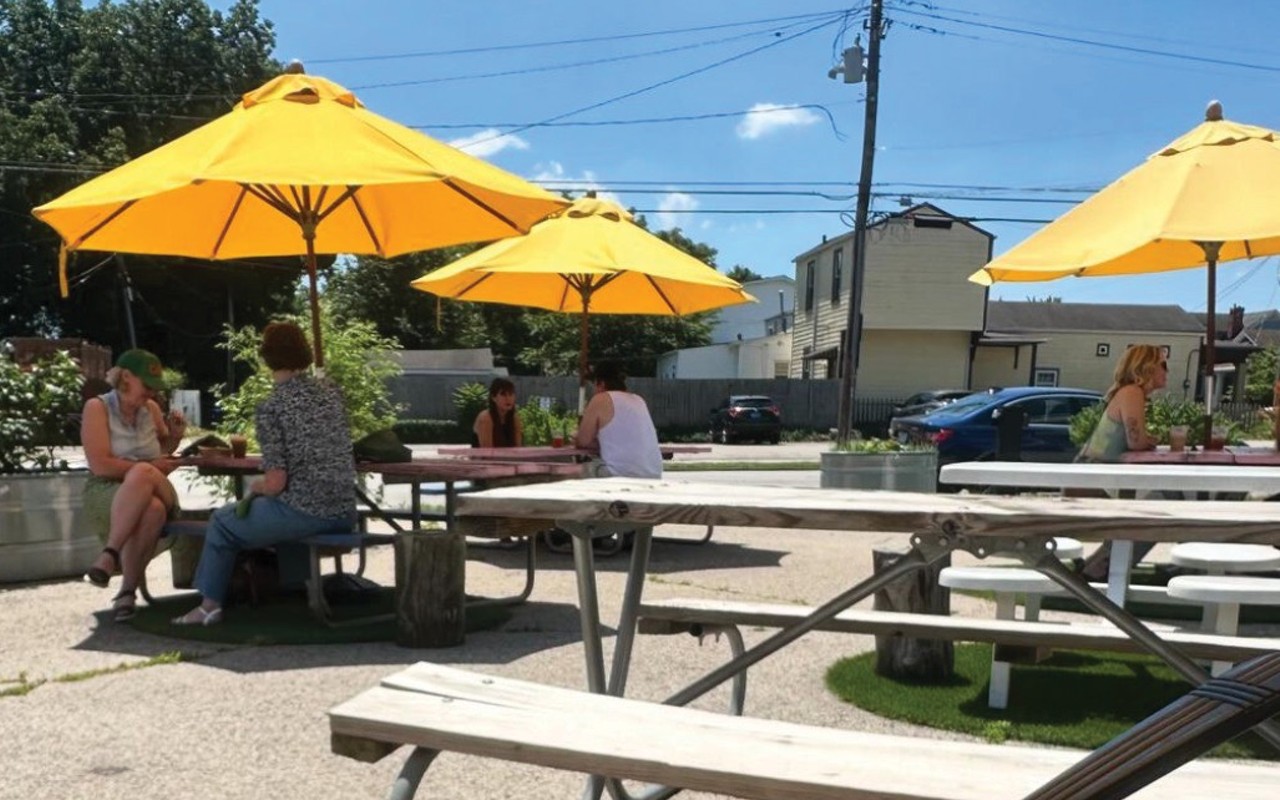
x=357 y=360
x=1260 y=376
x=743 y=274
x=81 y=91
x=35 y=405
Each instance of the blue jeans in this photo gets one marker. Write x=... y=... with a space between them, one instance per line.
x=269 y=522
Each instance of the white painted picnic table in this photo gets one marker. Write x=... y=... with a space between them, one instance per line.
x=1121 y=477
x=941 y=524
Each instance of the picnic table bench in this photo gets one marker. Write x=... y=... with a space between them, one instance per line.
x=436 y=708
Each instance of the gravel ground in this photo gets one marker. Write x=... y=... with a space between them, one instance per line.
x=247 y=721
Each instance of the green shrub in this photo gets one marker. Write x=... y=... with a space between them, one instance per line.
x=874 y=445
x=542 y=425
x=469 y=400
x=431 y=431
x=36 y=405
x=1163 y=413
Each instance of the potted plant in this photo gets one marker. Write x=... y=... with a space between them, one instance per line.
x=880 y=464
x=41 y=535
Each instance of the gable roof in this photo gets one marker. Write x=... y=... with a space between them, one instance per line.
x=1016 y=316
x=922 y=211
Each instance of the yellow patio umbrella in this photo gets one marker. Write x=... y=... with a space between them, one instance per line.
x=298 y=167
x=590 y=258
x=1211 y=195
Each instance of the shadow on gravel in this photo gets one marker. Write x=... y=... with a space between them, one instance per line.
x=665 y=557
x=245 y=646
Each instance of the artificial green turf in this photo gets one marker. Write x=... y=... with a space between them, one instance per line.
x=1074 y=699
x=287 y=620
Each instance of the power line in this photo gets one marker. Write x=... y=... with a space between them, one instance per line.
x=1092 y=43
x=662 y=83
x=564 y=42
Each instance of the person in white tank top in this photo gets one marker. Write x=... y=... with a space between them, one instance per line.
x=616 y=423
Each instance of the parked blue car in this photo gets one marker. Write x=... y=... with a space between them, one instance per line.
x=966 y=429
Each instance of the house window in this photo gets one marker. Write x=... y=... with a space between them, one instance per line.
x=1046 y=376
x=806 y=365
x=809 y=278
x=837 y=271
x=781 y=369
x=1102 y=350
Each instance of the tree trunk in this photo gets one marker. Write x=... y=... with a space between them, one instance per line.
x=430 y=589
x=926 y=660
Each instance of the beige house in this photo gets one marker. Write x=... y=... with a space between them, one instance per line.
x=1079 y=343
x=921 y=315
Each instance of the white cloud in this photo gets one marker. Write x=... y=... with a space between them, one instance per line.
x=488 y=142
x=670 y=203
x=765 y=118
x=580 y=184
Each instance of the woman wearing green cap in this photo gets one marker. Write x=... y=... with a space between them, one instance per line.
x=127 y=441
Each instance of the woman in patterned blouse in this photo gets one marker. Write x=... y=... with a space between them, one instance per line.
x=308 y=482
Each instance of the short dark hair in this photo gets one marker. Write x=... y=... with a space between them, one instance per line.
x=284 y=346
x=611 y=375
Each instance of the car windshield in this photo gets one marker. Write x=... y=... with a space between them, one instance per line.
x=751 y=402
x=963 y=406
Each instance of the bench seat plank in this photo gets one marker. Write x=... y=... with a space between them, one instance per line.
x=445 y=709
x=678 y=615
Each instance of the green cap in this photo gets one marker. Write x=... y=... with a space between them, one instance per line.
x=145 y=365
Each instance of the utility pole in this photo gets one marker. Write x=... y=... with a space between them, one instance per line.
x=853 y=326
x=126 y=292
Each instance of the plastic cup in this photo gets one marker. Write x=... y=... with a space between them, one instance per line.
x=557 y=441
x=1217 y=438
x=1178 y=438
x=239 y=445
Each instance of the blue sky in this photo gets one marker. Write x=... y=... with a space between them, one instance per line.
x=985 y=106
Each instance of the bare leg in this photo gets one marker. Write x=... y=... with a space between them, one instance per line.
x=139 y=547
x=142 y=484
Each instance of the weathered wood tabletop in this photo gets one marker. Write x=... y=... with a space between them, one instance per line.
x=655 y=502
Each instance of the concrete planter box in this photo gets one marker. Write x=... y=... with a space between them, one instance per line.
x=910 y=471
x=42 y=533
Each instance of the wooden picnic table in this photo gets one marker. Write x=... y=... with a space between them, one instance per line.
x=554 y=453
x=1232 y=455
x=940 y=524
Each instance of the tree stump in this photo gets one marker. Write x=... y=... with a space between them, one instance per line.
x=430 y=589
x=925 y=660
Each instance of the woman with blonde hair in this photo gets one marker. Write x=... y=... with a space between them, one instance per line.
x=1122 y=427
x=127 y=441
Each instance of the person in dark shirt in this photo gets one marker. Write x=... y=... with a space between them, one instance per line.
x=308 y=481
x=499 y=424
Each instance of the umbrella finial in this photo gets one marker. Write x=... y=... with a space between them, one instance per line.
x=1213 y=111
x=295 y=67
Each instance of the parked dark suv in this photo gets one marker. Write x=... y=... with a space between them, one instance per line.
x=924 y=402
x=746 y=416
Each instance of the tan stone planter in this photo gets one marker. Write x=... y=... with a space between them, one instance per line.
x=42 y=530
x=911 y=471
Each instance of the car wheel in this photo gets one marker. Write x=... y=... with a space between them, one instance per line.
x=722 y=435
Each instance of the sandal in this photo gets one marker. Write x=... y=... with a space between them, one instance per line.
x=100 y=577
x=198 y=616
x=124 y=606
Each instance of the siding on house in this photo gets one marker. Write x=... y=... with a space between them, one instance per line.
x=917 y=269
x=897 y=364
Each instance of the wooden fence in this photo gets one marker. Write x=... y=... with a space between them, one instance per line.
x=673 y=403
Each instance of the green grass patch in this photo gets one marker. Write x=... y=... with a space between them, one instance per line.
x=287 y=620
x=734 y=466
x=1073 y=699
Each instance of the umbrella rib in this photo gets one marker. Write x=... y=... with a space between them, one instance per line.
x=231 y=218
x=110 y=217
x=364 y=218
x=662 y=294
x=272 y=197
x=473 y=285
x=481 y=204
x=350 y=192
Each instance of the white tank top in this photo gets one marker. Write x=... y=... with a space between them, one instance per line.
x=629 y=442
x=139 y=441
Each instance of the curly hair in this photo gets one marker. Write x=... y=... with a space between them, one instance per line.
x=1137 y=366
x=284 y=346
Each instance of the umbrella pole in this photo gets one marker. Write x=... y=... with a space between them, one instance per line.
x=582 y=356
x=1211 y=250
x=309 y=234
